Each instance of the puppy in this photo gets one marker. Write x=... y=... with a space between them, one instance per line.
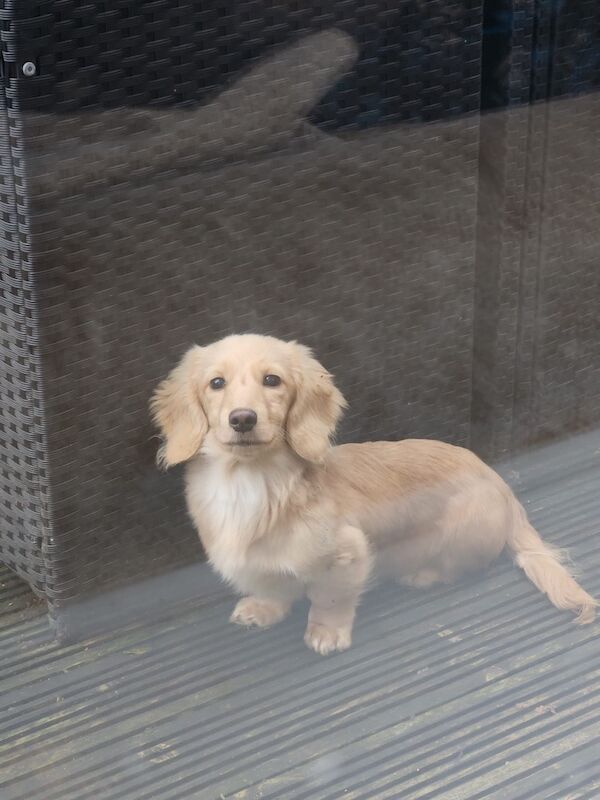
x=281 y=513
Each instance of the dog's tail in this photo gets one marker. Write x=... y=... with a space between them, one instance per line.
x=544 y=566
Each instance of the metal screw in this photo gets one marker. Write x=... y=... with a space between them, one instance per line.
x=29 y=69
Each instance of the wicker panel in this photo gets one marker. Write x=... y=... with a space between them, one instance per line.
x=506 y=187
x=564 y=387
x=537 y=335
x=25 y=521
x=561 y=380
x=135 y=53
x=156 y=227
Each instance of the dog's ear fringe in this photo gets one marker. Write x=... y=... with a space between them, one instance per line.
x=316 y=411
x=161 y=461
x=176 y=412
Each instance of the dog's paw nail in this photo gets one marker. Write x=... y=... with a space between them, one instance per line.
x=324 y=640
x=256 y=612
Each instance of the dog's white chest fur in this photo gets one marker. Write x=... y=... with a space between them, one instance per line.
x=240 y=507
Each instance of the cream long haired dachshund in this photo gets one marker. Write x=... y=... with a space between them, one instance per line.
x=281 y=513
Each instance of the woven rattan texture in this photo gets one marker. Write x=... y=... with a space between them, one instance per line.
x=575 y=66
x=153 y=229
x=536 y=373
x=559 y=376
x=131 y=52
x=25 y=524
x=503 y=183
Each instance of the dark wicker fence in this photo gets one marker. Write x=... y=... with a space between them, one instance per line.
x=173 y=172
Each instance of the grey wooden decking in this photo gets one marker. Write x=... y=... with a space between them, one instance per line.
x=477 y=691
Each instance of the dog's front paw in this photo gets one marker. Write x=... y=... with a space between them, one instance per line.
x=324 y=639
x=262 y=613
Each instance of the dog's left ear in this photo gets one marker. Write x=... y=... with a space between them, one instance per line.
x=318 y=406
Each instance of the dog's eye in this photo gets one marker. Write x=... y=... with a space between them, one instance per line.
x=271 y=380
x=217 y=383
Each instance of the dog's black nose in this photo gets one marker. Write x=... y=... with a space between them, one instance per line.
x=242 y=420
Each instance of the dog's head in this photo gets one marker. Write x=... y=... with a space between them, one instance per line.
x=246 y=396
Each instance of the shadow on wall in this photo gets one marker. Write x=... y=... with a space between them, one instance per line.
x=153 y=229
x=183 y=56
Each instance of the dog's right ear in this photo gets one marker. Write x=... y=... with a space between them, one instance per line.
x=176 y=410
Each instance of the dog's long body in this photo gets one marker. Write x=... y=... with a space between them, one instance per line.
x=281 y=513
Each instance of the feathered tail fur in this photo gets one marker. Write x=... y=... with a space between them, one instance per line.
x=544 y=566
